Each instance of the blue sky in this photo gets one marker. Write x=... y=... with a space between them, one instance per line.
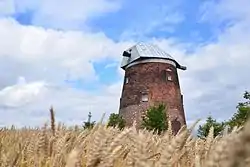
x=178 y=20
x=74 y=49
x=171 y=19
x=107 y=74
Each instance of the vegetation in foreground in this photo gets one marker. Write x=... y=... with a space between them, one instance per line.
x=113 y=145
x=238 y=119
x=104 y=146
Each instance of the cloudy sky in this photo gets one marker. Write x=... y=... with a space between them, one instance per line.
x=67 y=54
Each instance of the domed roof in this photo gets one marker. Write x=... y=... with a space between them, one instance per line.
x=145 y=50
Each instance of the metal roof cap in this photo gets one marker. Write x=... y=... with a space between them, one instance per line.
x=145 y=50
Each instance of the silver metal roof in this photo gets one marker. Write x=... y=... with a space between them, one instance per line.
x=145 y=50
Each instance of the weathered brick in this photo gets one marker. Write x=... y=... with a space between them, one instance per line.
x=151 y=77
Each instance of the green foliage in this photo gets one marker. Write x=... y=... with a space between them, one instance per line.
x=155 y=119
x=204 y=129
x=89 y=124
x=115 y=120
x=247 y=96
x=243 y=110
x=238 y=119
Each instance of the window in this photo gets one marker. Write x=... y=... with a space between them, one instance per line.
x=144 y=97
x=126 y=80
x=166 y=76
x=169 y=78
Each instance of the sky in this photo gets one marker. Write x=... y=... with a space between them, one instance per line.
x=67 y=54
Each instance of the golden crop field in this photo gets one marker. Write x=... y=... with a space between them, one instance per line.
x=59 y=146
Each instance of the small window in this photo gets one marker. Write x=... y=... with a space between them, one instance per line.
x=144 y=97
x=166 y=76
x=169 y=78
x=126 y=80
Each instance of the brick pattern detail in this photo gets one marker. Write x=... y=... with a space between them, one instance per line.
x=151 y=78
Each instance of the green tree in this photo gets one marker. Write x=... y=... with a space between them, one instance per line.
x=115 y=120
x=89 y=124
x=242 y=114
x=155 y=119
x=203 y=130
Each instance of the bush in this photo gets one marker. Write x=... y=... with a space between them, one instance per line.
x=155 y=119
x=116 y=120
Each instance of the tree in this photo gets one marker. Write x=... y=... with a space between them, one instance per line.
x=242 y=114
x=115 y=120
x=89 y=124
x=155 y=119
x=203 y=130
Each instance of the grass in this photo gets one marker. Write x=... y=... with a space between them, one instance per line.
x=59 y=146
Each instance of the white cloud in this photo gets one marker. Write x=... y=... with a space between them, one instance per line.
x=30 y=102
x=60 y=13
x=21 y=94
x=217 y=73
x=45 y=58
x=53 y=55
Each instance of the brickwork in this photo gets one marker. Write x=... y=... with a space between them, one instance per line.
x=151 y=79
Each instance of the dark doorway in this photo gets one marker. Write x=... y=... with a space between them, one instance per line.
x=176 y=125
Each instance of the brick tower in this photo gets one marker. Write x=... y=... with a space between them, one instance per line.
x=150 y=78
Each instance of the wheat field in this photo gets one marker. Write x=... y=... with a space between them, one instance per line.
x=102 y=146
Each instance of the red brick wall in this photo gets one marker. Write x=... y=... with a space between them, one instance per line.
x=149 y=77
